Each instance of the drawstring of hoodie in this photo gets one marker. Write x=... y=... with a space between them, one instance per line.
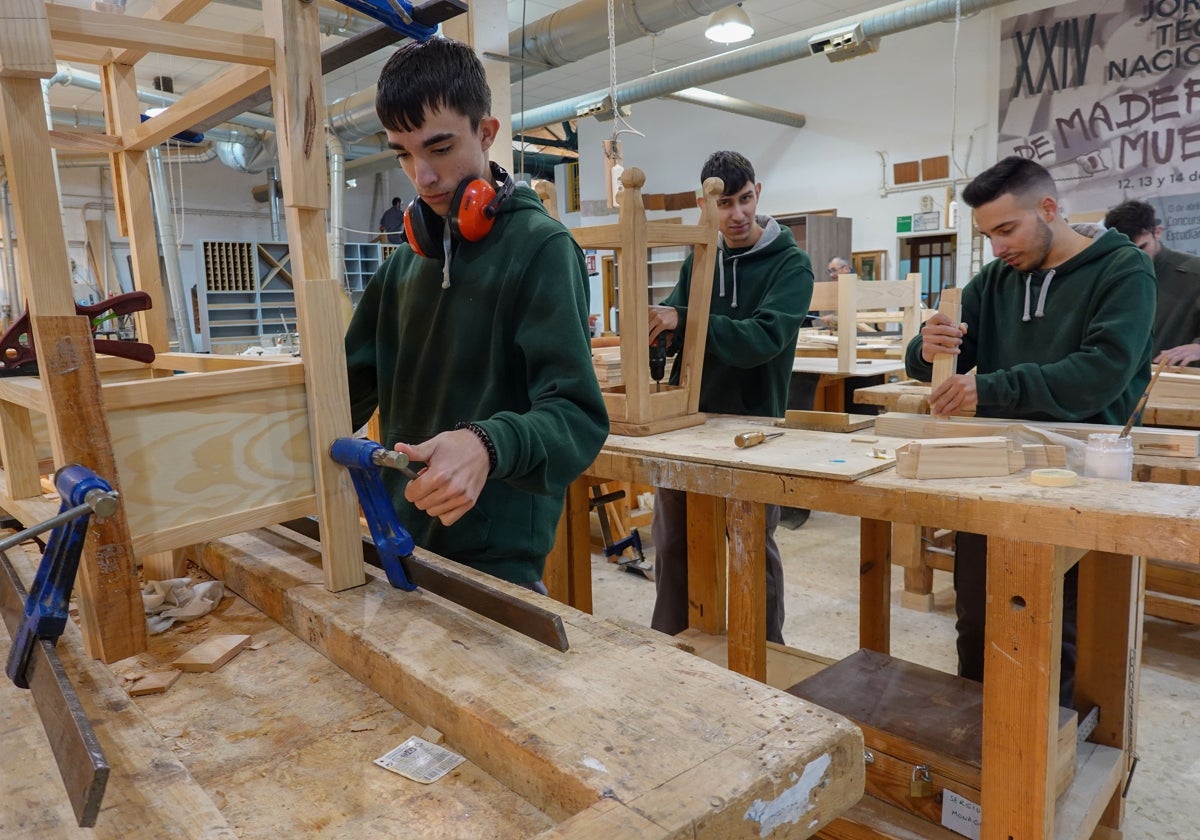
x=446 y=263
x=721 y=275
x=1041 y=304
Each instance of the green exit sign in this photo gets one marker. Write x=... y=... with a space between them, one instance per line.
x=904 y=224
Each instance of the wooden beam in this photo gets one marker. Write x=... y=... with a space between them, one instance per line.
x=76 y=53
x=748 y=589
x=297 y=89
x=83 y=25
x=945 y=365
x=135 y=211
x=707 y=563
x=84 y=141
x=193 y=107
x=175 y=11
x=25 y=48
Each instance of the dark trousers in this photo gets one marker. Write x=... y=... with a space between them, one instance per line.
x=669 y=531
x=970 y=588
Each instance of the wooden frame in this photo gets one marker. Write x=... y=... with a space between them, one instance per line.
x=634 y=407
x=870 y=266
x=198 y=447
x=859 y=301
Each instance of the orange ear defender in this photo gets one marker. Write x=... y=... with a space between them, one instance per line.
x=473 y=211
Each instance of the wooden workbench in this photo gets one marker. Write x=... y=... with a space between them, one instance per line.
x=830 y=395
x=1035 y=535
x=621 y=736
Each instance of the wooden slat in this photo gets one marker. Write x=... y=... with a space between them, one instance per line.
x=76 y=53
x=169 y=538
x=83 y=25
x=704 y=265
x=19 y=449
x=191 y=387
x=297 y=91
x=25 y=48
x=945 y=365
x=875 y=585
x=198 y=104
x=82 y=141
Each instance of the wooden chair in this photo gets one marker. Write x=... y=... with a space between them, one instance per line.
x=866 y=302
x=636 y=407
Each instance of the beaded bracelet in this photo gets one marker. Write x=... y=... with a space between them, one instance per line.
x=484 y=438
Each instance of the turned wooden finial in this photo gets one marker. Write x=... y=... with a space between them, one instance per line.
x=633 y=178
x=714 y=186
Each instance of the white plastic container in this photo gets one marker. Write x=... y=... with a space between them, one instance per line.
x=1109 y=456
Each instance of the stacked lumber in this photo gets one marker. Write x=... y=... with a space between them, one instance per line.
x=606 y=361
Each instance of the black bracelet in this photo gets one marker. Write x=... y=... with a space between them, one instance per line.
x=484 y=438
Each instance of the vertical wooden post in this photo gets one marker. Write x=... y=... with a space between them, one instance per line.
x=633 y=299
x=1020 y=688
x=568 y=574
x=706 y=559
x=748 y=589
x=945 y=365
x=111 y=611
x=875 y=585
x=135 y=212
x=297 y=91
x=847 y=322
x=704 y=265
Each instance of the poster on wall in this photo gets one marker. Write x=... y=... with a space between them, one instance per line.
x=1106 y=95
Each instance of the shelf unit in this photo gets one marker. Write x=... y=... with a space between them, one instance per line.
x=248 y=296
x=662 y=270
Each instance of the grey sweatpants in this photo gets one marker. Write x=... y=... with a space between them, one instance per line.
x=669 y=531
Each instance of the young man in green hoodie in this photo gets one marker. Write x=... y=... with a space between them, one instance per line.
x=761 y=293
x=472 y=338
x=1057 y=327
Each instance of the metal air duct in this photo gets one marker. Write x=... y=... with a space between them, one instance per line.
x=745 y=60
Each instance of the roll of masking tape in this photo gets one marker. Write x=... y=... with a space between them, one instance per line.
x=1053 y=478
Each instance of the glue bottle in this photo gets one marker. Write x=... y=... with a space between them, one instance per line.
x=1109 y=455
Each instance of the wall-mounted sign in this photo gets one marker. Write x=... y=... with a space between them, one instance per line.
x=904 y=224
x=927 y=221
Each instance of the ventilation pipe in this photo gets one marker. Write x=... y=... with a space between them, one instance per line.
x=721 y=102
x=581 y=30
x=337 y=206
x=745 y=60
x=170 y=249
x=335 y=19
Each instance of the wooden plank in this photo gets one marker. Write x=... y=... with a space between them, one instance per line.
x=154 y=683
x=1024 y=617
x=84 y=141
x=25 y=47
x=135 y=211
x=798 y=452
x=1098 y=776
x=210 y=655
x=704 y=264
x=945 y=365
x=1172 y=608
x=827 y=421
x=185 y=388
x=202 y=526
x=197 y=105
x=568 y=575
x=707 y=563
x=71 y=23
x=579 y=749
x=1178 y=443
x=19 y=450
x=206 y=362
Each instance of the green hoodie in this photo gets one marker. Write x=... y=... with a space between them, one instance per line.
x=505 y=346
x=759 y=299
x=1178 y=315
x=1082 y=353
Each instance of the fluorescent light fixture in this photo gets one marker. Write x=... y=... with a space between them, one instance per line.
x=729 y=25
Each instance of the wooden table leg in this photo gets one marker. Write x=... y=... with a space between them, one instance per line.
x=706 y=563
x=747 y=589
x=1109 y=663
x=1020 y=688
x=568 y=574
x=908 y=552
x=875 y=585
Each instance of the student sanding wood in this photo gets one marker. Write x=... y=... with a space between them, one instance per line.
x=1057 y=328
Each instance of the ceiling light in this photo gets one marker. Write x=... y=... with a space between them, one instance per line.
x=729 y=25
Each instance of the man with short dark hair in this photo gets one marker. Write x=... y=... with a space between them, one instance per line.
x=1177 y=316
x=1057 y=327
x=761 y=292
x=391 y=223
x=472 y=338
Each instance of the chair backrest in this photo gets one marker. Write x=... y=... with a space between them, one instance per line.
x=850 y=297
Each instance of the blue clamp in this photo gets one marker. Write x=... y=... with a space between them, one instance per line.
x=395 y=14
x=82 y=492
x=363 y=458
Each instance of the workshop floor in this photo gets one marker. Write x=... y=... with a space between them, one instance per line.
x=822 y=617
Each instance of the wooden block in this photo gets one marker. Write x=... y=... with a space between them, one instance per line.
x=908 y=172
x=963 y=457
x=25 y=47
x=432 y=735
x=211 y=655
x=827 y=421
x=154 y=683
x=935 y=168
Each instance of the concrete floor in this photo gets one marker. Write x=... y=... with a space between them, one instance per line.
x=820 y=567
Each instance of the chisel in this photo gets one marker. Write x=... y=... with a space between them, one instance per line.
x=746 y=439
